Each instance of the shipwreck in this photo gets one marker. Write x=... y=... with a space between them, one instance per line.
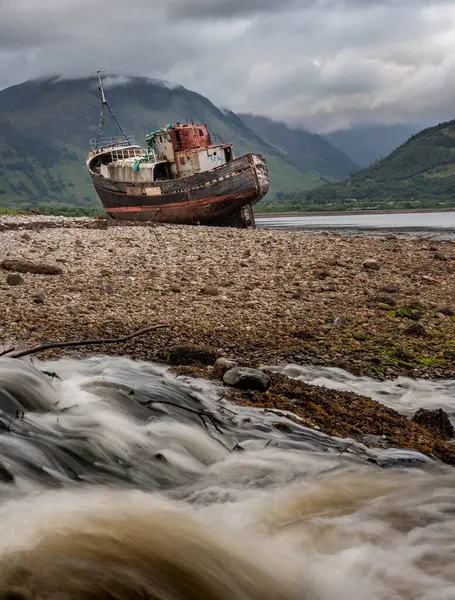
x=182 y=176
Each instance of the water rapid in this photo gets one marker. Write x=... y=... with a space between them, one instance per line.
x=120 y=480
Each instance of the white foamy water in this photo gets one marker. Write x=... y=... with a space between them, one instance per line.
x=404 y=394
x=121 y=481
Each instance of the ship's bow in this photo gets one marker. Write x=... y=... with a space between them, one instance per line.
x=261 y=175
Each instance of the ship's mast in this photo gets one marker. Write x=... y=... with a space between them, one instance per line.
x=104 y=105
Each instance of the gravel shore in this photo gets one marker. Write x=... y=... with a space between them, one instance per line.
x=381 y=306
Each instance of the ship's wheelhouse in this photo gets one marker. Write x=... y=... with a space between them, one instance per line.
x=190 y=148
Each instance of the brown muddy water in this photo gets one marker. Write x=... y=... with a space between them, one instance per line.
x=119 y=480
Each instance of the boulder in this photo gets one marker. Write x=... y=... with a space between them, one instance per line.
x=25 y=266
x=390 y=288
x=360 y=335
x=209 y=290
x=384 y=299
x=247 y=379
x=303 y=334
x=14 y=279
x=436 y=420
x=189 y=355
x=370 y=264
x=222 y=366
x=416 y=329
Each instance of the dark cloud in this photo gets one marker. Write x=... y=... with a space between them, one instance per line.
x=322 y=64
x=218 y=9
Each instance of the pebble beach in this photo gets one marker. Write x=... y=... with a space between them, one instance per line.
x=380 y=306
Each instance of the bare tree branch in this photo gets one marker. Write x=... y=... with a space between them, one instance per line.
x=53 y=345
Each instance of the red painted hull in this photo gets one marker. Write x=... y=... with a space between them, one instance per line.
x=215 y=197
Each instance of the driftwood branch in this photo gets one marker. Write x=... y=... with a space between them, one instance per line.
x=76 y=344
x=200 y=413
x=5 y=352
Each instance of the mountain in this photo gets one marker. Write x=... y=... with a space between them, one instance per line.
x=367 y=144
x=45 y=127
x=308 y=151
x=419 y=174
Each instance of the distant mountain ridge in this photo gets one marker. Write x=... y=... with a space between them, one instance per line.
x=366 y=145
x=46 y=125
x=418 y=174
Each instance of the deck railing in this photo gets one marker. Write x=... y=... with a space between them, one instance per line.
x=101 y=144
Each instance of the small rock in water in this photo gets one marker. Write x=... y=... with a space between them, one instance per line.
x=5 y=475
x=14 y=279
x=247 y=379
x=371 y=264
x=222 y=366
x=436 y=420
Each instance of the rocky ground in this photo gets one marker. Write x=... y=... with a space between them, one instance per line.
x=380 y=306
x=374 y=305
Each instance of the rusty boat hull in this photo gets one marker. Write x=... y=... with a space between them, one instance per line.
x=215 y=197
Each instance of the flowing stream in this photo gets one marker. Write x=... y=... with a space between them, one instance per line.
x=120 y=480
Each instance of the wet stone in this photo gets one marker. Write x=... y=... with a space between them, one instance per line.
x=222 y=366
x=247 y=379
x=436 y=420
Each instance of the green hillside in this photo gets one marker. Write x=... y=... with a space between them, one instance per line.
x=308 y=151
x=45 y=127
x=419 y=174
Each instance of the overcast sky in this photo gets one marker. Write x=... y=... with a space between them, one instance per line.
x=322 y=64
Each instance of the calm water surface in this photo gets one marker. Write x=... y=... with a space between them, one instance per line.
x=441 y=224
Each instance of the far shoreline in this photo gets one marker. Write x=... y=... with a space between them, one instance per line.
x=337 y=213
